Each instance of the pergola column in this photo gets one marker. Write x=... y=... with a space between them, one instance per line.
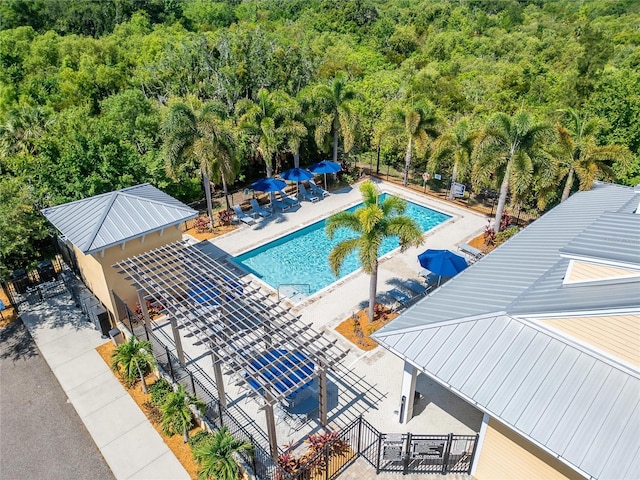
x=176 y=339
x=217 y=373
x=322 y=395
x=271 y=425
x=409 y=376
x=143 y=308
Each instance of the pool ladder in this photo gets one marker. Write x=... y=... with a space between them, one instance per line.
x=294 y=292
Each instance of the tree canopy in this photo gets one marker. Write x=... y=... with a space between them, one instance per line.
x=85 y=87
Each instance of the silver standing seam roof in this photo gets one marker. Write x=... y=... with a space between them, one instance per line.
x=95 y=223
x=476 y=335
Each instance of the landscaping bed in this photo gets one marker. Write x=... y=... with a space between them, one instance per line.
x=357 y=328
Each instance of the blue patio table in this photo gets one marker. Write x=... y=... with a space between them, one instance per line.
x=285 y=371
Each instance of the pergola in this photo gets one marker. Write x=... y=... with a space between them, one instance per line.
x=266 y=348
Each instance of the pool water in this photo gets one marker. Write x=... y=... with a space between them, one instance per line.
x=301 y=258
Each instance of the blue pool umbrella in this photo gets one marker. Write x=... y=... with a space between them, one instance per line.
x=443 y=263
x=324 y=167
x=296 y=175
x=268 y=185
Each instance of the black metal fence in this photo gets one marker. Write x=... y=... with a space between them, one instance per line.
x=403 y=453
x=34 y=286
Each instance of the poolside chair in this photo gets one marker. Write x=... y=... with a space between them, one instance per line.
x=317 y=190
x=277 y=203
x=308 y=196
x=292 y=201
x=258 y=209
x=243 y=217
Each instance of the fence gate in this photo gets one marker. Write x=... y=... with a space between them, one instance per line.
x=37 y=285
x=410 y=453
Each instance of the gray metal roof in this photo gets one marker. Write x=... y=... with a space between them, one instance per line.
x=580 y=405
x=560 y=395
x=95 y=223
x=613 y=237
x=549 y=295
x=495 y=281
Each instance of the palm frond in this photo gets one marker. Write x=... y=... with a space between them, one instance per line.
x=340 y=253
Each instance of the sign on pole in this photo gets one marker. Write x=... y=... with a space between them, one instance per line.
x=458 y=189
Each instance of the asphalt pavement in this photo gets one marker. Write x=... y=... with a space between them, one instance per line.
x=41 y=435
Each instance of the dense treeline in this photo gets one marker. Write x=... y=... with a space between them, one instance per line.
x=534 y=98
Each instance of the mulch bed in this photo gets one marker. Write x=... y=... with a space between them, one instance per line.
x=215 y=232
x=9 y=314
x=360 y=336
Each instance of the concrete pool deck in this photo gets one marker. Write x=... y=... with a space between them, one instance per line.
x=369 y=382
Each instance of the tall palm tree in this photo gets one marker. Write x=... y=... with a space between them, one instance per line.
x=579 y=155
x=261 y=120
x=133 y=357
x=215 y=456
x=415 y=123
x=204 y=140
x=335 y=113
x=508 y=149
x=373 y=222
x=293 y=130
x=176 y=412
x=455 y=148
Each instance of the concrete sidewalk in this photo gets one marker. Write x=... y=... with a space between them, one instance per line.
x=129 y=444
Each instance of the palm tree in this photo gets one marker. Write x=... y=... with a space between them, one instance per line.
x=176 y=412
x=335 y=112
x=215 y=456
x=454 y=147
x=292 y=129
x=579 y=155
x=415 y=123
x=203 y=139
x=133 y=357
x=260 y=120
x=373 y=222
x=508 y=150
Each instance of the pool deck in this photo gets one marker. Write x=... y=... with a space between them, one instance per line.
x=368 y=383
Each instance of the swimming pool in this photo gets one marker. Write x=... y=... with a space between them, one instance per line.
x=301 y=257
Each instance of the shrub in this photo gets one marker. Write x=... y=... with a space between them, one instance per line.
x=199 y=438
x=159 y=391
x=505 y=235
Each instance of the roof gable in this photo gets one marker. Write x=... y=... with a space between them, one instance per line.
x=99 y=222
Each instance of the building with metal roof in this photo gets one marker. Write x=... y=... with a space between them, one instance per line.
x=543 y=336
x=110 y=227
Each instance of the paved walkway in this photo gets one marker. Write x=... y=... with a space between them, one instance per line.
x=129 y=444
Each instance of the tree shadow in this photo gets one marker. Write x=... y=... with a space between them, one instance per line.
x=16 y=342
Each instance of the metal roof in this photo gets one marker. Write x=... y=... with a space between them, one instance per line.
x=496 y=280
x=578 y=404
x=95 y=223
x=237 y=321
x=571 y=401
x=613 y=238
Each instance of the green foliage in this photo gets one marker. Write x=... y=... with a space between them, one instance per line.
x=132 y=359
x=22 y=229
x=159 y=391
x=176 y=412
x=86 y=87
x=215 y=456
x=199 y=438
x=371 y=223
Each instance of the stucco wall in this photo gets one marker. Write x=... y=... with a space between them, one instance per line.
x=506 y=455
x=99 y=275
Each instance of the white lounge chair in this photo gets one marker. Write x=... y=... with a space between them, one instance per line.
x=317 y=190
x=243 y=217
x=308 y=196
x=277 y=203
x=288 y=199
x=258 y=209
